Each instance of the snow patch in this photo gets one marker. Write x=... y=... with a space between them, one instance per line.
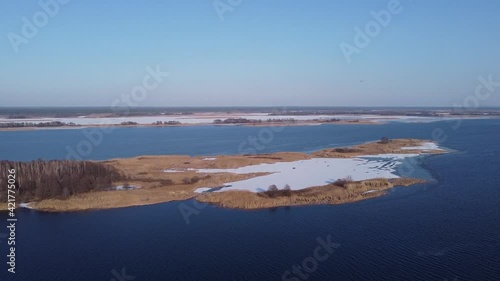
x=121 y=187
x=173 y=171
x=25 y=205
x=312 y=172
x=424 y=146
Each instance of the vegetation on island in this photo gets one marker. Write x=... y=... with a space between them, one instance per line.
x=36 y=125
x=128 y=123
x=350 y=191
x=253 y=121
x=86 y=185
x=384 y=140
x=171 y=123
x=38 y=180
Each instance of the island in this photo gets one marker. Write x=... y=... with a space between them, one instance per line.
x=102 y=118
x=250 y=181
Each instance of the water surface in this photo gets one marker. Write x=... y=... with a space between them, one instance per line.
x=438 y=231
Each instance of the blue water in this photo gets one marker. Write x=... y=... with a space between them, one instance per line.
x=438 y=231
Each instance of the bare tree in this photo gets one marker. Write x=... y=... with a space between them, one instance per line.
x=58 y=178
x=272 y=187
x=384 y=140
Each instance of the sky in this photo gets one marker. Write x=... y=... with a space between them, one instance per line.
x=249 y=53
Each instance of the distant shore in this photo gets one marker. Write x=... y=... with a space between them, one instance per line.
x=174 y=178
x=198 y=119
x=101 y=121
x=263 y=124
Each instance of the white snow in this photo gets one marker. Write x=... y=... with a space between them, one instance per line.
x=172 y=171
x=209 y=159
x=121 y=187
x=203 y=189
x=424 y=146
x=25 y=205
x=312 y=172
x=389 y=156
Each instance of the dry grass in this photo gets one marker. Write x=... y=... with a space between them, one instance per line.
x=158 y=186
x=329 y=194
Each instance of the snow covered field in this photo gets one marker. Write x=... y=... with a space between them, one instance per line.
x=313 y=172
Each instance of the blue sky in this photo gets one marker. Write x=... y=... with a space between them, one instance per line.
x=282 y=52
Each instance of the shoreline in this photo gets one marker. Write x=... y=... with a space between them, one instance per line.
x=177 y=177
x=263 y=124
x=257 y=119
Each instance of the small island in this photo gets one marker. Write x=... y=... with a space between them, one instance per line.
x=251 y=181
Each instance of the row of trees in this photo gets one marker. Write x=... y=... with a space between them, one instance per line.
x=127 y=123
x=331 y=120
x=281 y=120
x=166 y=123
x=236 y=121
x=31 y=124
x=37 y=180
x=273 y=191
x=252 y=121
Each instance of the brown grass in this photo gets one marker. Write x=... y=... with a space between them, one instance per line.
x=158 y=186
x=329 y=194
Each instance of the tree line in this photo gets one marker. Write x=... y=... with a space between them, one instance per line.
x=31 y=124
x=252 y=121
x=158 y=123
x=37 y=180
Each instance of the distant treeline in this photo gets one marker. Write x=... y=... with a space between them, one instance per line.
x=107 y=111
x=252 y=121
x=127 y=123
x=31 y=124
x=37 y=180
x=166 y=123
x=397 y=111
